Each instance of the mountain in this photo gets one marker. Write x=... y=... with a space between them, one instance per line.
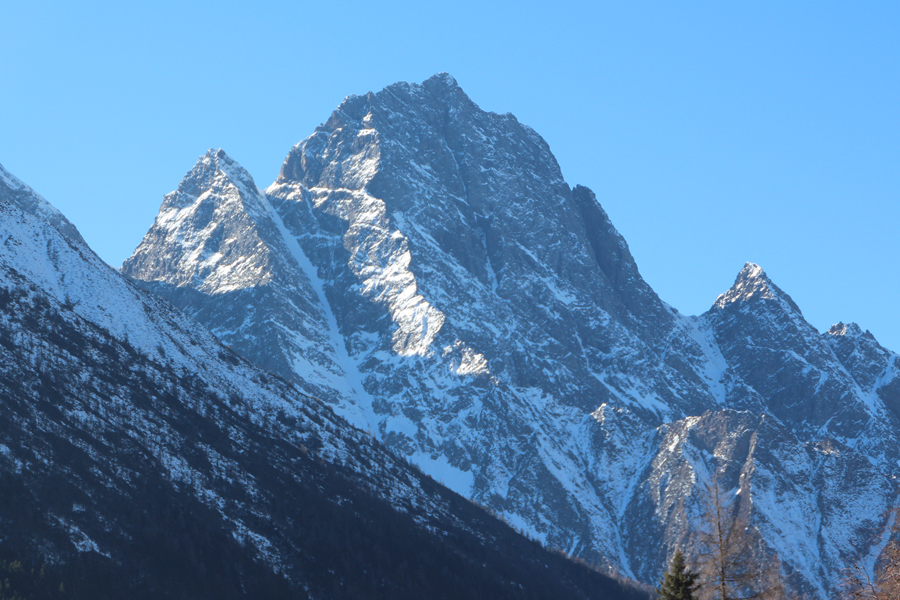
x=488 y=322
x=140 y=457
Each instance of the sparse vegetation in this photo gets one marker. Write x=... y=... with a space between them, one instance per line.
x=21 y=581
x=731 y=559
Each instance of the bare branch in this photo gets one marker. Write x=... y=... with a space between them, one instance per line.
x=733 y=562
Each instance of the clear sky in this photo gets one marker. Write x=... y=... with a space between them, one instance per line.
x=713 y=133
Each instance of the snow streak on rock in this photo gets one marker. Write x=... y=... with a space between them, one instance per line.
x=380 y=258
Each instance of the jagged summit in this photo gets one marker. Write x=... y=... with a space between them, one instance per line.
x=849 y=330
x=874 y=367
x=439 y=103
x=494 y=327
x=445 y=87
x=752 y=284
x=441 y=86
x=212 y=219
x=217 y=238
x=442 y=78
x=124 y=419
x=215 y=170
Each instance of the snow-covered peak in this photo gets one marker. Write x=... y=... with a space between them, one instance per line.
x=752 y=284
x=875 y=368
x=847 y=330
x=482 y=310
x=211 y=222
x=214 y=171
x=217 y=238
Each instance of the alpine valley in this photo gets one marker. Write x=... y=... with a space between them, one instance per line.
x=418 y=290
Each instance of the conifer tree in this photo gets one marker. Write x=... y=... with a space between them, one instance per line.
x=679 y=582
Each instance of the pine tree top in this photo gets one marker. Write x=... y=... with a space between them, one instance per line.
x=678 y=583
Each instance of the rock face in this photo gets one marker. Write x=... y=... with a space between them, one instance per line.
x=238 y=274
x=788 y=365
x=496 y=330
x=142 y=458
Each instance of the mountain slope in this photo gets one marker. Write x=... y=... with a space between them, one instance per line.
x=13 y=191
x=379 y=252
x=142 y=458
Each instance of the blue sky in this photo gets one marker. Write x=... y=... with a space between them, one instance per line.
x=713 y=133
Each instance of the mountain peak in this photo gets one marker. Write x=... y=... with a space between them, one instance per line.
x=751 y=285
x=444 y=88
x=752 y=282
x=845 y=329
x=210 y=222
x=442 y=79
x=849 y=330
x=225 y=163
x=414 y=239
x=214 y=170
